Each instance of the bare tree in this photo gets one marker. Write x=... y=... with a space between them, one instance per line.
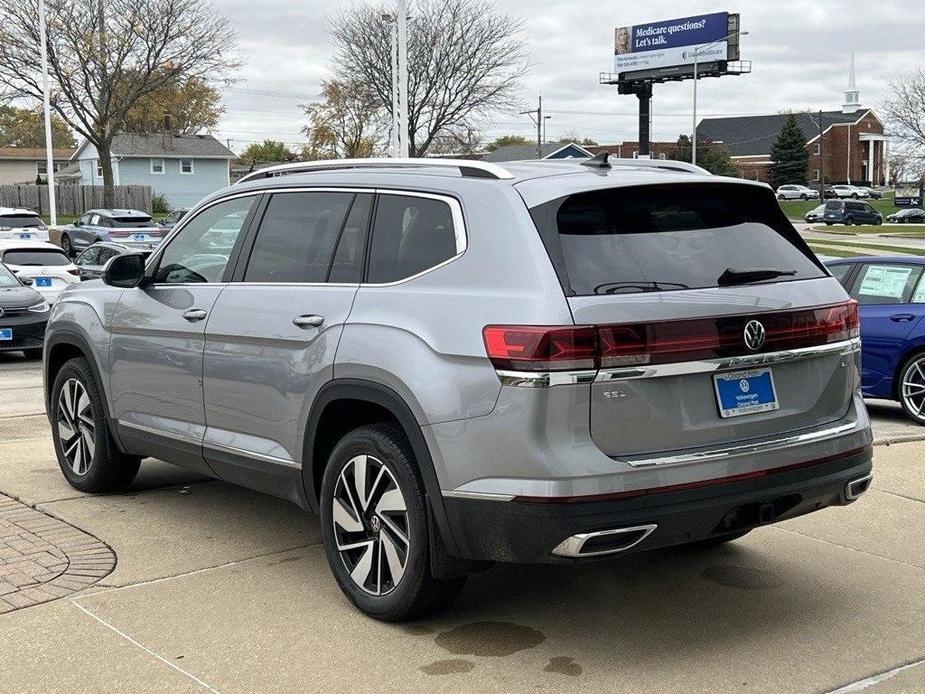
x=105 y=55
x=905 y=111
x=465 y=60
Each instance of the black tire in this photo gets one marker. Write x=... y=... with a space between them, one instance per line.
x=33 y=353
x=854 y=196
x=417 y=592
x=108 y=469
x=804 y=196
x=66 y=246
x=849 y=221
x=878 y=221
x=712 y=542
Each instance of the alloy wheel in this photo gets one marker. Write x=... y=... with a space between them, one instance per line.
x=75 y=426
x=913 y=388
x=371 y=527
x=66 y=246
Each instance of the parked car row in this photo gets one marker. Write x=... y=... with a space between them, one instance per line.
x=23 y=314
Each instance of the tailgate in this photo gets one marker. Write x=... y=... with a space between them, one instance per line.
x=699 y=383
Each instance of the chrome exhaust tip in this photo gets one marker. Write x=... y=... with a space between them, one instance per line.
x=855 y=488
x=603 y=542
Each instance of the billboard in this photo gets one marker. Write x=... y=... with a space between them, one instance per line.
x=671 y=43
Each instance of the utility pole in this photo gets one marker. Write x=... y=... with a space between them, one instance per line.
x=403 y=76
x=46 y=106
x=537 y=117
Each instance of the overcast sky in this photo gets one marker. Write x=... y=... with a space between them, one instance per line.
x=799 y=51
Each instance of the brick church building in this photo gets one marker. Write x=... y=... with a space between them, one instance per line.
x=852 y=147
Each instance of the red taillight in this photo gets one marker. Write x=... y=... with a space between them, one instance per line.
x=118 y=234
x=548 y=348
x=541 y=348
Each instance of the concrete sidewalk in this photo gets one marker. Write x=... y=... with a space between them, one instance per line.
x=224 y=590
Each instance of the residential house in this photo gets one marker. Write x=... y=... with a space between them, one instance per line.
x=182 y=168
x=24 y=164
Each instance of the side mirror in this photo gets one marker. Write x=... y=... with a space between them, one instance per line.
x=126 y=271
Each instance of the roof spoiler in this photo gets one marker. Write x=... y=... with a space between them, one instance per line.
x=605 y=161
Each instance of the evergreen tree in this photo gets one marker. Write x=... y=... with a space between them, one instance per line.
x=710 y=156
x=789 y=158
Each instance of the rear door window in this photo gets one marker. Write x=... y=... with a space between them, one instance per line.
x=841 y=272
x=411 y=234
x=664 y=238
x=886 y=283
x=297 y=237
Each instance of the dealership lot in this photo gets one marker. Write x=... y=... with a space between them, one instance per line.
x=203 y=568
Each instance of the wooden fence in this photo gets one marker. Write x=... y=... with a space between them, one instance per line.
x=73 y=199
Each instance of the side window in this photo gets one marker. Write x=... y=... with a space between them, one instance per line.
x=85 y=219
x=841 y=272
x=918 y=297
x=886 y=284
x=95 y=220
x=297 y=237
x=88 y=257
x=410 y=235
x=105 y=255
x=351 y=248
x=200 y=252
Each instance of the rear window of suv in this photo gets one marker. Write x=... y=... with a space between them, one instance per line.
x=36 y=257
x=669 y=237
x=135 y=222
x=21 y=221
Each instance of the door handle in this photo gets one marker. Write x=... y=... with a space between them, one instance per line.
x=195 y=314
x=306 y=322
x=902 y=317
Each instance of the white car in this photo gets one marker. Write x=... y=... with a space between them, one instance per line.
x=843 y=190
x=796 y=192
x=44 y=263
x=23 y=225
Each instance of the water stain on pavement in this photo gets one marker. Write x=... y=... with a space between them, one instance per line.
x=448 y=667
x=564 y=665
x=741 y=577
x=417 y=629
x=489 y=639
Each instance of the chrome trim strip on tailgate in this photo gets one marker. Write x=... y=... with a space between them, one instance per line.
x=741 y=362
x=744 y=448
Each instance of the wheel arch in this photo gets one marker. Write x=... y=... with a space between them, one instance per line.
x=347 y=404
x=914 y=350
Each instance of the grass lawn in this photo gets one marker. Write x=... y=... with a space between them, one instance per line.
x=911 y=229
x=834 y=252
x=863 y=248
x=62 y=219
x=796 y=209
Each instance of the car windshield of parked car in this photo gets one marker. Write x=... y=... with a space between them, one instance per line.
x=7 y=278
x=662 y=238
x=37 y=257
x=834 y=205
x=130 y=222
x=21 y=221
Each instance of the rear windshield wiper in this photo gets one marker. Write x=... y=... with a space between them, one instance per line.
x=733 y=276
x=637 y=287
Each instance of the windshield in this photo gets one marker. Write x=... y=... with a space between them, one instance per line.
x=669 y=237
x=36 y=257
x=7 y=278
x=21 y=221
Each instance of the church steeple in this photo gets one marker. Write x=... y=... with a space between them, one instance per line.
x=852 y=96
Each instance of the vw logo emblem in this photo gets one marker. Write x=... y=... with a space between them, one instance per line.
x=754 y=335
x=743 y=385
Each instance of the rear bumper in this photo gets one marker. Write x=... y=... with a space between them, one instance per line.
x=529 y=532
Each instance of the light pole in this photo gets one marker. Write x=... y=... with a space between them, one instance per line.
x=403 y=75
x=696 y=54
x=46 y=106
x=393 y=32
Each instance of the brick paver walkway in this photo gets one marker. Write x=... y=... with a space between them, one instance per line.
x=43 y=558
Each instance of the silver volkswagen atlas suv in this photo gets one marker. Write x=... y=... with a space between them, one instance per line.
x=457 y=363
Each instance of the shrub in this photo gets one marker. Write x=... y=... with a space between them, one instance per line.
x=159 y=204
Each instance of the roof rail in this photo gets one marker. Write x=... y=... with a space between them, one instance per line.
x=468 y=168
x=667 y=164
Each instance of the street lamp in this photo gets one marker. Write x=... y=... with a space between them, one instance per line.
x=696 y=55
x=391 y=20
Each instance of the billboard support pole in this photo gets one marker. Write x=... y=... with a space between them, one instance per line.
x=644 y=94
x=694 y=128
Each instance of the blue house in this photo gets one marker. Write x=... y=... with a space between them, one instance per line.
x=182 y=168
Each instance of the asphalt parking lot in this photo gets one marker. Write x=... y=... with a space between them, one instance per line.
x=219 y=589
